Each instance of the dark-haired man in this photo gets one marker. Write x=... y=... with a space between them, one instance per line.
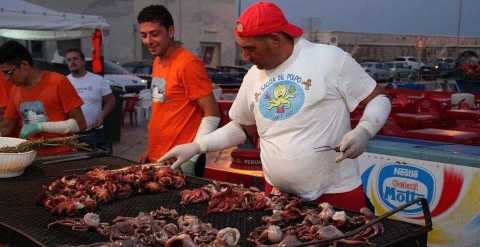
x=44 y=102
x=298 y=97
x=183 y=107
x=92 y=88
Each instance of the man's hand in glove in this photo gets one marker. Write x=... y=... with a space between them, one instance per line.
x=29 y=129
x=188 y=167
x=353 y=143
x=181 y=154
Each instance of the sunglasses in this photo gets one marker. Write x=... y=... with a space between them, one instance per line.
x=9 y=72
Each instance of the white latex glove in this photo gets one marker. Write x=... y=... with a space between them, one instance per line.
x=181 y=153
x=353 y=143
x=188 y=167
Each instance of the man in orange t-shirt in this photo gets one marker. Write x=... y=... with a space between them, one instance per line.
x=45 y=103
x=183 y=106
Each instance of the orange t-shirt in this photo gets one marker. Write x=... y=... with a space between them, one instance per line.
x=50 y=100
x=5 y=87
x=177 y=83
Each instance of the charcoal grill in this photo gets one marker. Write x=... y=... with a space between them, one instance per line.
x=22 y=223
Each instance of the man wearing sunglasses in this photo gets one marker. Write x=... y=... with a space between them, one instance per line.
x=44 y=103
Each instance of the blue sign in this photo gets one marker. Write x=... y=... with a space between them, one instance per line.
x=399 y=184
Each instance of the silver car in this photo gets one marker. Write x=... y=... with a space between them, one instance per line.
x=378 y=71
x=401 y=70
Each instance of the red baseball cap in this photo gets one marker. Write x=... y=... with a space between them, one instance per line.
x=264 y=18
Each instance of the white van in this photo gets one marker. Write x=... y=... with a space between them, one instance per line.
x=411 y=61
x=116 y=76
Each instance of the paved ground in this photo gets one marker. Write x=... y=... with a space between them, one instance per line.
x=132 y=142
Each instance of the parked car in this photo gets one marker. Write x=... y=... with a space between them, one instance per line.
x=378 y=71
x=444 y=66
x=427 y=73
x=117 y=76
x=227 y=76
x=232 y=70
x=401 y=70
x=142 y=69
x=410 y=61
x=114 y=74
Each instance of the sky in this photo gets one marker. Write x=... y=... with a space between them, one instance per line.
x=429 y=17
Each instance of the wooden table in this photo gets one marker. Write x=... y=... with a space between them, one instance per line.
x=442 y=101
x=414 y=120
x=462 y=114
x=443 y=135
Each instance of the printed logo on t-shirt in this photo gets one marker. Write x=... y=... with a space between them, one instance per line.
x=158 y=89
x=281 y=97
x=82 y=90
x=33 y=112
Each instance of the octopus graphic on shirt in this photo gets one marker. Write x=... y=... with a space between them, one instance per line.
x=282 y=98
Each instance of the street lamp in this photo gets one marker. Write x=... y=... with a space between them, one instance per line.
x=459 y=23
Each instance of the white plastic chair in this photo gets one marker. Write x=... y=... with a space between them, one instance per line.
x=468 y=98
x=145 y=104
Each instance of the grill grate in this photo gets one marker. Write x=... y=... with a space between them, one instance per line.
x=18 y=210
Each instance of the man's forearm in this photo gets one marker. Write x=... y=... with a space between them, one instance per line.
x=227 y=136
x=108 y=106
x=375 y=114
x=207 y=125
x=61 y=127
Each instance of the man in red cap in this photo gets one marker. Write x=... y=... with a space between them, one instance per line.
x=298 y=96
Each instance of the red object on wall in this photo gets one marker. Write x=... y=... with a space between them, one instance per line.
x=97 y=63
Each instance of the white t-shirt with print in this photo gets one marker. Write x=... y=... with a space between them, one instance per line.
x=304 y=103
x=91 y=89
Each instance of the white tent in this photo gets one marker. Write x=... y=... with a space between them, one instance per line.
x=23 y=20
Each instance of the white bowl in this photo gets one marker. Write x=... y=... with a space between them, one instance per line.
x=14 y=164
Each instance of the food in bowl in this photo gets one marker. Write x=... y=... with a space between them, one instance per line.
x=13 y=164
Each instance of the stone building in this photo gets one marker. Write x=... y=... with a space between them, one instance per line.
x=203 y=26
x=384 y=47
